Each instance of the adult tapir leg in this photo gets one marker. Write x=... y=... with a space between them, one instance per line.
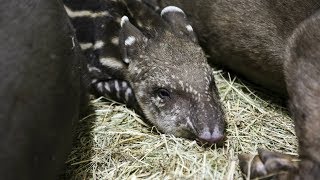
x=39 y=88
x=302 y=71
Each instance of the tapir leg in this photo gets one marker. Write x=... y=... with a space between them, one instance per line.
x=302 y=71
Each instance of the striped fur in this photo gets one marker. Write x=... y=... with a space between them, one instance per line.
x=139 y=57
x=97 y=29
x=97 y=25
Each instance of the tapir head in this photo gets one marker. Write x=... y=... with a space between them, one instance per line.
x=172 y=81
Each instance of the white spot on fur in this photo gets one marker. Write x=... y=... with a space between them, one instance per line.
x=92 y=69
x=190 y=89
x=139 y=23
x=100 y=86
x=111 y=62
x=124 y=84
x=107 y=87
x=127 y=94
x=157 y=101
x=171 y=9
x=138 y=71
x=98 y=44
x=190 y=123
x=115 y=41
x=116 y=86
x=140 y=93
x=189 y=28
x=85 y=46
x=94 y=81
x=124 y=19
x=129 y=41
x=145 y=39
x=181 y=84
x=85 y=13
x=126 y=60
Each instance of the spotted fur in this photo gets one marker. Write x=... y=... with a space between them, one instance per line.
x=152 y=62
x=276 y=45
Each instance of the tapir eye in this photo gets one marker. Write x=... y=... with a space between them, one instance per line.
x=163 y=93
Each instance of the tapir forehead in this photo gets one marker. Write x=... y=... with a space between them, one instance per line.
x=191 y=84
x=187 y=77
x=174 y=62
x=171 y=49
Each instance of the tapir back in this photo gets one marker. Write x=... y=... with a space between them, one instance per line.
x=39 y=89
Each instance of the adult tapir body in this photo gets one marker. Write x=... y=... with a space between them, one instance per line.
x=247 y=37
x=40 y=88
x=275 y=44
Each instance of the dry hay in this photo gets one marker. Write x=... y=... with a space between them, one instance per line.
x=114 y=143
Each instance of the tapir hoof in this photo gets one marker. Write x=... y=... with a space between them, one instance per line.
x=267 y=165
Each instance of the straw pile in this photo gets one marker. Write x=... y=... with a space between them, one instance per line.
x=114 y=143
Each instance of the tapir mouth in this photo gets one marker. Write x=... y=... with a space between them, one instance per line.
x=218 y=144
x=207 y=136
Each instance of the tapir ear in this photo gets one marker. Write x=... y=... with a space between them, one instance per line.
x=131 y=40
x=177 y=19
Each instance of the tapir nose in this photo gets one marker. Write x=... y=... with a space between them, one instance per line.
x=211 y=138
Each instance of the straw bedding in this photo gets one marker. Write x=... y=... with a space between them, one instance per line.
x=114 y=143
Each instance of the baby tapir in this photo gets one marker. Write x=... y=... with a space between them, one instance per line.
x=158 y=65
x=40 y=88
x=275 y=44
